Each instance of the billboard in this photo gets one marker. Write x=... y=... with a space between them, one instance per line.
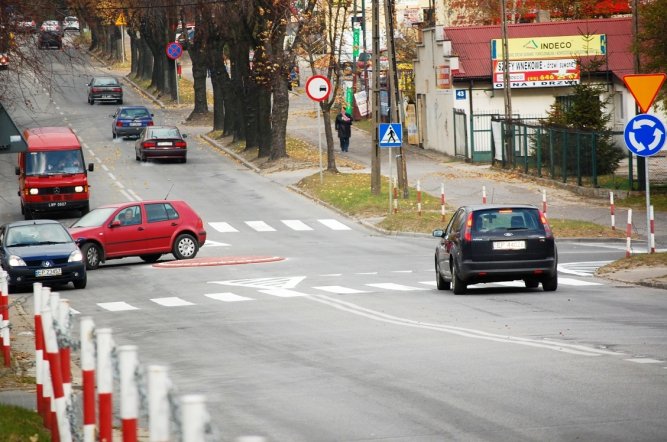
x=537 y=73
x=550 y=47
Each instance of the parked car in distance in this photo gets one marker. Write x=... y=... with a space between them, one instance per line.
x=147 y=229
x=49 y=39
x=4 y=61
x=27 y=26
x=130 y=121
x=51 y=26
x=161 y=142
x=71 y=23
x=40 y=251
x=180 y=38
x=492 y=243
x=105 y=89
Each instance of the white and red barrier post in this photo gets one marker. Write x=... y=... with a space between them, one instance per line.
x=65 y=350
x=105 y=383
x=419 y=198
x=612 y=210
x=87 y=329
x=483 y=194
x=61 y=428
x=39 y=346
x=158 y=403
x=442 y=201
x=194 y=417
x=48 y=405
x=4 y=319
x=544 y=202
x=628 y=234
x=129 y=391
x=652 y=226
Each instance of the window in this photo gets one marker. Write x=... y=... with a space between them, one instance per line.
x=129 y=216
x=156 y=212
x=171 y=212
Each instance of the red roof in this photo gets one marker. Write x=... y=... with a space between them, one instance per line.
x=472 y=44
x=56 y=138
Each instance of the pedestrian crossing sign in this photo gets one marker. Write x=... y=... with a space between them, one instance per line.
x=390 y=134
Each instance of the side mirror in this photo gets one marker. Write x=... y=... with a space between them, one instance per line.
x=114 y=223
x=112 y=116
x=91 y=167
x=438 y=233
x=152 y=115
x=184 y=135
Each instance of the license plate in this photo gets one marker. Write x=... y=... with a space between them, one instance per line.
x=135 y=124
x=164 y=143
x=58 y=204
x=509 y=245
x=107 y=96
x=49 y=272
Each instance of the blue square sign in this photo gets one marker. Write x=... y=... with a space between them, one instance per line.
x=390 y=135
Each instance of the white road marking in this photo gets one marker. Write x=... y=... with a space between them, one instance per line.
x=223 y=227
x=171 y=301
x=584 y=268
x=332 y=274
x=431 y=283
x=260 y=226
x=210 y=243
x=339 y=289
x=227 y=297
x=576 y=282
x=106 y=169
x=133 y=193
x=116 y=306
x=288 y=282
x=295 y=224
x=645 y=361
x=334 y=224
x=401 y=271
x=74 y=311
x=283 y=293
x=397 y=287
x=126 y=195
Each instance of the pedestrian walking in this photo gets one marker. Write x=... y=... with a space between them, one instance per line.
x=344 y=127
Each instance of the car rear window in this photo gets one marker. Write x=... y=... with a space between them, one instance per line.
x=502 y=220
x=105 y=82
x=134 y=113
x=165 y=133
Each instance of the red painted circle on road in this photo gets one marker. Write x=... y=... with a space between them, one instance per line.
x=219 y=261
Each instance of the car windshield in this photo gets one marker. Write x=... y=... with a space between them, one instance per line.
x=166 y=132
x=54 y=162
x=37 y=234
x=507 y=219
x=134 y=113
x=94 y=218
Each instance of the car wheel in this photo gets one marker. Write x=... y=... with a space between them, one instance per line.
x=113 y=135
x=120 y=101
x=136 y=156
x=440 y=281
x=185 y=247
x=92 y=254
x=550 y=284
x=28 y=214
x=184 y=160
x=144 y=159
x=91 y=101
x=458 y=286
x=150 y=258
x=531 y=283
x=81 y=283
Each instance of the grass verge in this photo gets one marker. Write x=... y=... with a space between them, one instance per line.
x=20 y=425
x=634 y=261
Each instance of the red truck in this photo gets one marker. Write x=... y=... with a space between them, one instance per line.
x=52 y=176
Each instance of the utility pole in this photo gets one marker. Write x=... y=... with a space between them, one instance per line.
x=376 y=181
x=507 y=94
x=394 y=93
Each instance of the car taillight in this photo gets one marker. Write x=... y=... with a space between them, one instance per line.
x=150 y=123
x=117 y=89
x=96 y=89
x=119 y=124
x=547 y=228
x=182 y=144
x=147 y=144
x=468 y=230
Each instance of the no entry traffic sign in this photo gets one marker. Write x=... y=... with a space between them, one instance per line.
x=174 y=50
x=318 y=87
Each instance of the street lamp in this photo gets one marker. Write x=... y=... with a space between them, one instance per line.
x=507 y=94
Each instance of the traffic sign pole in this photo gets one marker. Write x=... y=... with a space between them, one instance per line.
x=648 y=206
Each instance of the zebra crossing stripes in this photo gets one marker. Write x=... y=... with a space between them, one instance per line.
x=396 y=287
x=227 y=297
x=263 y=226
x=172 y=301
x=339 y=290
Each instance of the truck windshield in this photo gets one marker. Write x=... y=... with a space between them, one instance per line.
x=54 y=162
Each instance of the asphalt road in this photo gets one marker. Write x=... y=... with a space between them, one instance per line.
x=347 y=337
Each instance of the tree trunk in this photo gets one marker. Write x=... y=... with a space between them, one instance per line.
x=199 y=74
x=331 y=147
x=217 y=79
x=264 y=122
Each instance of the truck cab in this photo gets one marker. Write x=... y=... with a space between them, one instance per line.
x=52 y=173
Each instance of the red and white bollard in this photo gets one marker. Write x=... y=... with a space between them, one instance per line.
x=65 y=350
x=442 y=201
x=628 y=234
x=612 y=210
x=652 y=226
x=104 y=372
x=194 y=417
x=419 y=198
x=60 y=427
x=87 y=329
x=544 y=202
x=483 y=194
x=48 y=405
x=4 y=319
x=129 y=391
x=158 y=403
x=39 y=346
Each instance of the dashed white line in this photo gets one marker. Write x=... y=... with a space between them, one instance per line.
x=171 y=301
x=334 y=224
x=227 y=297
x=296 y=224
x=223 y=227
x=339 y=289
x=260 y=226
x=397 y=287
x=116 y=306
x=645 y=361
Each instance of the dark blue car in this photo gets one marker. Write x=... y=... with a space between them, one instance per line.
x=130 y=121
x=40 y=251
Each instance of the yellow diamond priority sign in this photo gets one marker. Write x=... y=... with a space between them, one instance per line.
x=644 y=87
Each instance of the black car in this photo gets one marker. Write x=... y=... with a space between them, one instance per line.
x=49 y=39
x=161 y=142
x=40 y=251
x=492 y=243
x=107 y=89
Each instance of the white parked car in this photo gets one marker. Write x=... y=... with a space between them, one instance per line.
x=71 y=24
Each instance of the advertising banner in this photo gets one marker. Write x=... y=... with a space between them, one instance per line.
x=550 y=47
x=537 y=73
x=443 y=78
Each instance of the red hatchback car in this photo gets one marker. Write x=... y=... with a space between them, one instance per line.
x=147 y=229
